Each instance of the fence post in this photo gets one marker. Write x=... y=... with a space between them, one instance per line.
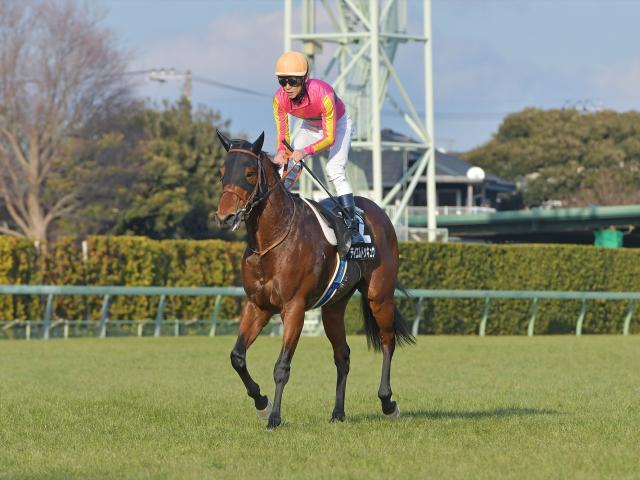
x=532 y=319
x=176 y=328
x=48 y=311
x=159 y=316
x=104 y=313
x=583 y=310
x=485 y=315
x=627 y=317
x=416 y=322
x=27 y=331
x=66 y=329
x=214 y=316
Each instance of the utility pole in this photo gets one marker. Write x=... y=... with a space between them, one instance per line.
x=164 y=75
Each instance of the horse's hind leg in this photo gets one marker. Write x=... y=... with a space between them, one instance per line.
x=253 y=321
x=383 y=309
x=333 y=321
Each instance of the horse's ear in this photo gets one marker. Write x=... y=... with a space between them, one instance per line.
x=226 y=143
x=256 y=147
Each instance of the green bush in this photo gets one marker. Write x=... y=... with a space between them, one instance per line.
x=518 y=267
x=138 y=261
x=200 y=263
x=130 y=261
x=19 y=265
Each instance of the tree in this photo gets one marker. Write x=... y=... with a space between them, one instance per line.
x=155 y=172
x=110 y=163
x=579 y=158
x=58 y=69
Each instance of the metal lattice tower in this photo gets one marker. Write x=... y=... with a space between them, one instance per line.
x=362 y=38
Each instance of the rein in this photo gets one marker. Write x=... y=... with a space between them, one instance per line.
x=255 y=199
x=281 y=239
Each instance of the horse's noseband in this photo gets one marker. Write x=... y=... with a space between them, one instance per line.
x=259 y=193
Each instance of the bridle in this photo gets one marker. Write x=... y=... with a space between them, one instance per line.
x=258 y=195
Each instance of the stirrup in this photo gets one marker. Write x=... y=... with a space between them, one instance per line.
x=345 y=244
x=356 y=237
x=354 y=228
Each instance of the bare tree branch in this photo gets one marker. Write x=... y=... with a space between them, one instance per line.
x=62 y=206
x=15 y=215
x=12 y=193
x=17 y=150
x=13 y=233
x=58 y=68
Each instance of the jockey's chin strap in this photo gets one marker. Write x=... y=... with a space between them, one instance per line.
x=257 y=196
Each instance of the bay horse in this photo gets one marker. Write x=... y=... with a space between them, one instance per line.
x=286 y=268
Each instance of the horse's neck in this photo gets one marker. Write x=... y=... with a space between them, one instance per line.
x=272 y=219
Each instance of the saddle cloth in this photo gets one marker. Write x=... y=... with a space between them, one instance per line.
x=346 y=273
x=328 y=232
x=362 y=251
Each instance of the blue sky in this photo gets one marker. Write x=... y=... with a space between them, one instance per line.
x=491 y=57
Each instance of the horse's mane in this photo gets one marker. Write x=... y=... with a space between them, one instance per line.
x=270 y=163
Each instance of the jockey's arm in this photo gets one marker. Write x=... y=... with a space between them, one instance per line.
x=281 y=118
x=328 y=127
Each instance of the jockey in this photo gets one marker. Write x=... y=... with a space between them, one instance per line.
x=326 y=126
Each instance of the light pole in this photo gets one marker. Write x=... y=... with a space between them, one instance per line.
x=164 y=75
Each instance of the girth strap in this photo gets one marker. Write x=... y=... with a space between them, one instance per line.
x=336 y=280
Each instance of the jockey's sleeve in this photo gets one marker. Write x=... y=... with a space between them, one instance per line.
x=282 y=124
x=328 y=126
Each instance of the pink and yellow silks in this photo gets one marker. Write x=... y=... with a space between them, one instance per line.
x=319 y=107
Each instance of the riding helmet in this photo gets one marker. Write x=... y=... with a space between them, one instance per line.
x=293 y=64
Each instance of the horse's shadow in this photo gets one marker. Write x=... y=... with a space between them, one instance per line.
x=499 y=412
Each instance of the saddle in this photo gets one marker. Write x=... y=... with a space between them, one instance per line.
x=332 y=214
x=335 y=221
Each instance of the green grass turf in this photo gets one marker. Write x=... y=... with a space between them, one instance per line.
x=493 y=407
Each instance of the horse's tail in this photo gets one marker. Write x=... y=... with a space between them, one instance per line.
x=400 y=329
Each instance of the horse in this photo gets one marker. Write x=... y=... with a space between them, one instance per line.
x=286 y=267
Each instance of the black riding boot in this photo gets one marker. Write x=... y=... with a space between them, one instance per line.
x=352 y=220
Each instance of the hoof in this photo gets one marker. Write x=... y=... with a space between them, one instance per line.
x=265 y=412
x=274 y=422
x=337 y=417
x=393 y=415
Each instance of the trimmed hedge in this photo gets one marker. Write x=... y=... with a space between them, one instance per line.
x=137 y=261
x=519 y=267
x=131 y=261
x=18 y=266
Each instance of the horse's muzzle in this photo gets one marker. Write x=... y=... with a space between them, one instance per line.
x=232 y=220
x=225 y=221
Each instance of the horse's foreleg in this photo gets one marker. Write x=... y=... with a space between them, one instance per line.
x=293 y=319
x=383 y=312
x=253 y=321
x=333 y=321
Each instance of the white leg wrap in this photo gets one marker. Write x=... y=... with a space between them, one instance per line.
x=393 y=415
x=264 y=413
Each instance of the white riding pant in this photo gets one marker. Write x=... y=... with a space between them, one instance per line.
x=338 y=152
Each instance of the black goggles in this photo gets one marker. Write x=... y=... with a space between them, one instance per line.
x=293 y=81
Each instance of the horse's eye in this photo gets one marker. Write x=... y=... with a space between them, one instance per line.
x=251 y=175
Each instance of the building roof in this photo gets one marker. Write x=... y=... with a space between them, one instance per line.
x=540 y=225
x=449 y=167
